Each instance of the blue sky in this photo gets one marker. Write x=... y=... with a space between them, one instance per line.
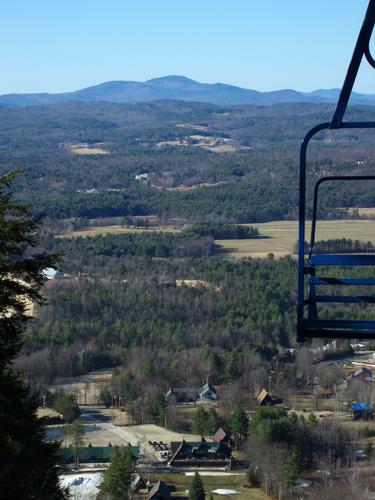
x=56 y=46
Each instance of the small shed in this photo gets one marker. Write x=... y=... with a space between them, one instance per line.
x=323 y=393
x=264 y=398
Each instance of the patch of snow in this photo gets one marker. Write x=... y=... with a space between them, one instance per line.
x=84 y=485
x=224 y=491
x=302 y=483
x=215 y=473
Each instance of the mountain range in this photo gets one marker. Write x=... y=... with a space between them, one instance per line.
x=181 y=88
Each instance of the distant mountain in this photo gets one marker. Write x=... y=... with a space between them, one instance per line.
x=180 y=88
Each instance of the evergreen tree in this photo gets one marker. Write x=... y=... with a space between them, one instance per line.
x=239 y=423
x=312 y=419
x=106 y=397
x=74 y=432
x=292 y=467
x=65 y=405
x=212 y=422
x=199 y=421
x=117 y=478
x=196 y=488
x=159 y=408
x=27 y=463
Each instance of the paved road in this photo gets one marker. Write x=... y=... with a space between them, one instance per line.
x=135 y=435
x=89 y=415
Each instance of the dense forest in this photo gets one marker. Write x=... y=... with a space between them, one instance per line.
x=169 y=299
x=199 y=161
x=140 y=293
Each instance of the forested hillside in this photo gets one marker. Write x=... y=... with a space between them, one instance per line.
x=167 y=297
x=159 y=293
x=199 y=162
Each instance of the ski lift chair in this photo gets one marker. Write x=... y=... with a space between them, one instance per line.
x=309 y=325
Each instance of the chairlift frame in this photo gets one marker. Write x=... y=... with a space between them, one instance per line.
x=311 y=326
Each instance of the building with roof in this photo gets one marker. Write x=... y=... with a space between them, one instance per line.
x=186 y=395
x=265 y=399
x=52 y=274
x=201 y=454
x=161 y=491
x=362 y=373
x=137 y=484
x=93 y=454
x=221 y=436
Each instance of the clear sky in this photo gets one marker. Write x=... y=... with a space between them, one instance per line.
x=64 y=45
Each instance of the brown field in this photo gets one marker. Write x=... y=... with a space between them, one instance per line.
x=365 y=212
x=93 y=231
x=85 y=388
x=281 y=236
x=214 y=144
x=85 y=149
x=197 y=284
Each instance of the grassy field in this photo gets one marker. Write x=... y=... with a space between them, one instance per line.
x=281 y=236
x=234 y=481
x=93 y=231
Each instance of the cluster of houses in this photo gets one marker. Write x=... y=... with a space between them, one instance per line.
x=216 y=454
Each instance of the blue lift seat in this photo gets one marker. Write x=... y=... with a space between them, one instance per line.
x=337 y=328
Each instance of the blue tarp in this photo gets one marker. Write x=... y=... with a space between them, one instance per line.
x=359 y=407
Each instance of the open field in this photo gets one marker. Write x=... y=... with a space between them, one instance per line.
x=231 y=481
x=86 y=149
x=281 y=236
x=214 y=144
x=93 y=231
x=85 y=388
x=86 y=485
x=363 y=211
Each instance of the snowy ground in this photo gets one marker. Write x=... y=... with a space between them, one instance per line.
x=225 y=491
x=214 y=473
x=83 y=486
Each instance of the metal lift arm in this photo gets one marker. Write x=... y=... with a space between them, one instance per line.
x=307 y=327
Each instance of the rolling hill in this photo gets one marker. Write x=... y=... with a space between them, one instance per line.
x=180 y=88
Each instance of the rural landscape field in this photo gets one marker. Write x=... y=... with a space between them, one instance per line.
x=159 y=338
x=277 y=237
x=170 y=308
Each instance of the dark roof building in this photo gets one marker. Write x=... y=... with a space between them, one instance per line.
x=362 y=373
x=202 y=454
x=161 y=491
x=191 y=394
x=265 y=399
x=221 y=436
